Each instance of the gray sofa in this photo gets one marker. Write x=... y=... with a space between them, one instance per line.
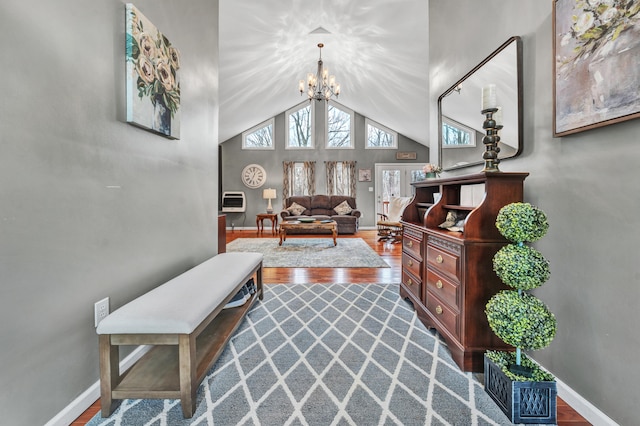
x=322 y=207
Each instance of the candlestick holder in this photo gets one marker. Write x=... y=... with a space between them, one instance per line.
x=490 y=141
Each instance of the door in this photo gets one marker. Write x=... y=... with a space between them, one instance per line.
x=394 y=180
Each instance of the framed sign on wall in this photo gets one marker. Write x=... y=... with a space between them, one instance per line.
x=401 y=155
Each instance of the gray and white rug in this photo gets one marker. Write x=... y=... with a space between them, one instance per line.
x=328 y=354
x=299 y=252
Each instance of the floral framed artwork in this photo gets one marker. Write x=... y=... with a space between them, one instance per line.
x=364 y=175
x=153 y=83
x=596 y=49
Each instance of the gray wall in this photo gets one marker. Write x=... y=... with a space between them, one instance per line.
x=67 y=238
x=586 y=184
x=234 y=159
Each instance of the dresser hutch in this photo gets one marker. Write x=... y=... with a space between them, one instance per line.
x=448 y=275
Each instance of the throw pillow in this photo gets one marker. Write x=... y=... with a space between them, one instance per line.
x=296 y=209
x=343 y=208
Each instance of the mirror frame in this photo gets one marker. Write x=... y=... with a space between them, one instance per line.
x=518 y=41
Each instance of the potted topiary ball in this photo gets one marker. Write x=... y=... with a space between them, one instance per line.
x=521 y=320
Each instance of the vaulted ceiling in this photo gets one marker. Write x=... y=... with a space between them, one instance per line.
x=377 y=49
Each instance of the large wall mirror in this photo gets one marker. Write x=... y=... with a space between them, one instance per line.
x=460 y=132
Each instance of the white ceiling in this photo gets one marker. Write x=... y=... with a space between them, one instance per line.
x=377 y=49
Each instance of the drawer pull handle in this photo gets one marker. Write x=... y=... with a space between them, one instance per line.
x=439 y=259
x=439 y=283
x=439 y=310
x=410 y=243
x=409 y=282
x=410 y=262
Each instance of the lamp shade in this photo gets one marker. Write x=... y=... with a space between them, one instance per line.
x=269 y=193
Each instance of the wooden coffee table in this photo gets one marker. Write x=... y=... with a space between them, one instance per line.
x=307 y=228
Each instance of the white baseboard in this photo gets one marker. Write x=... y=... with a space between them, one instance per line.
x=91 y=395
x=582 y=406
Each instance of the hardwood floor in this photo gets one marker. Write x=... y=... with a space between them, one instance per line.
x=391 y=253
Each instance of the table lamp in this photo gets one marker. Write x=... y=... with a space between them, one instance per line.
x=269 y=194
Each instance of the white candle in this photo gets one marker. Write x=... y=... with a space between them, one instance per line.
x=498 y=116
x=489 y=97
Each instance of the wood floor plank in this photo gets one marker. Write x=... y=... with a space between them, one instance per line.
x=391 y=253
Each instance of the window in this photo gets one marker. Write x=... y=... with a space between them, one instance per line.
x=417 y=175
x=339 y=127
x=394 y=180
x=380 y=137
x=259 y=137
x=299 y=127
x=299 y=178
x=456 y=135
x=341 y=178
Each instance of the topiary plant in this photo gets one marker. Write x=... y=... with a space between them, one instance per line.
x=515 y=316
x=522 y=223
x=521 y=267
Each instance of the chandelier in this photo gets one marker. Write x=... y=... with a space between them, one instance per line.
x=320 y=86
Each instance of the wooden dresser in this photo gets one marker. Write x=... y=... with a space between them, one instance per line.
x=448 y=275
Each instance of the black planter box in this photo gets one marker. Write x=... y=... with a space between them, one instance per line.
x=522 y=402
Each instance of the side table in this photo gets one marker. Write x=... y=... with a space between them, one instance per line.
x=260 y=217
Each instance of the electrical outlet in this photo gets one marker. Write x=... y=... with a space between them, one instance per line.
x=100 y=310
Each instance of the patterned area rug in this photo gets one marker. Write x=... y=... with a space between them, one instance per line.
x=337 y=354
x=311 y=252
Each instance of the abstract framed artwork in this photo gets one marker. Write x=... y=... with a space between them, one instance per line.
x=153 y=83
x=596 y=49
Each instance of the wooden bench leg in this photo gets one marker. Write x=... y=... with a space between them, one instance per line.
x=259 y=281
x=109 y=373
x=188 y=385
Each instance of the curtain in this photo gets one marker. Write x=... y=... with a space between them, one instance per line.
x=287 y=180
x=298 y=178
x=330 y=167
x=341 y=178
x=309 y=173
x=352 y=179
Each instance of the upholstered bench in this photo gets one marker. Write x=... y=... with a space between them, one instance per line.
x=185 y=322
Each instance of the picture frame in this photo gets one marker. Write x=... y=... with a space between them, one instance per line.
x=152 y=76
x=364 y=175
x=592 y=42
x=406 y=155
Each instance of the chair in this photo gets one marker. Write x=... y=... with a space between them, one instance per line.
x=389 y=226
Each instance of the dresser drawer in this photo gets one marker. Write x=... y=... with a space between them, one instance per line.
x=445 y=289
x=412 y=265
x=412 y=246
x=444 y=314
x=443 y=261
x=413 y=284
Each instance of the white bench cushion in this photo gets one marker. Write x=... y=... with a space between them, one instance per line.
x=181 y=304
